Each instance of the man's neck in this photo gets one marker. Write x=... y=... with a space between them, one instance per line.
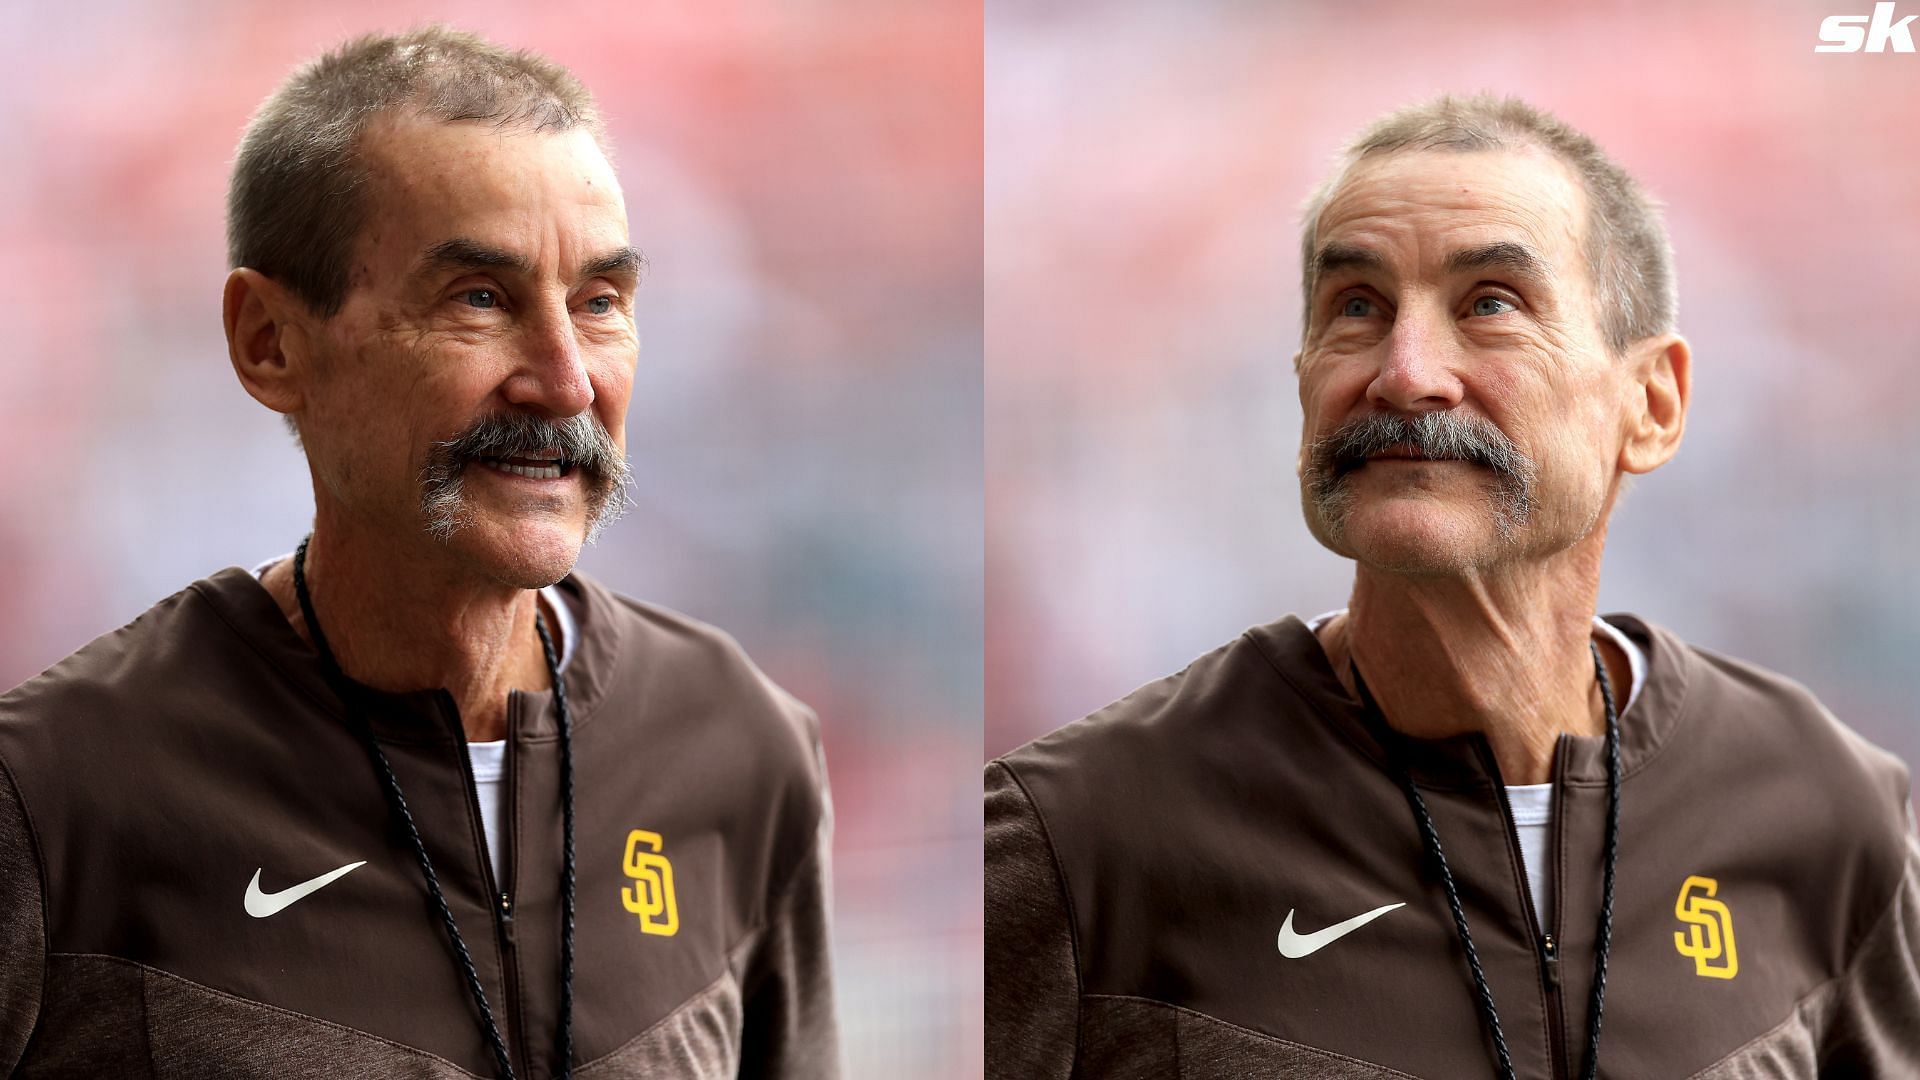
x=398 y=626
x=1504 y=654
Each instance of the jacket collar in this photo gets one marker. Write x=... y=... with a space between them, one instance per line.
x=426 y=715
x=1466 y=760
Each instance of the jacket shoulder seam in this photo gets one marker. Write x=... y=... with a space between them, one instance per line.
x=1066 y=894
x=40 y=873
x=777 y=897
x=1888 y=911
x=822 y=819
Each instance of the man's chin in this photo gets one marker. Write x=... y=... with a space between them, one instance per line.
x=1417 y=539
x=522 y=554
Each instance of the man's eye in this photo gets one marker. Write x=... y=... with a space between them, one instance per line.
x=480 y=298
x=600 y=305
x=1491 y=305
x=1356 y=307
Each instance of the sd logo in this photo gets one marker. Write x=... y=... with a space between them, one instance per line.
x=1709 y=935
x=651 y=894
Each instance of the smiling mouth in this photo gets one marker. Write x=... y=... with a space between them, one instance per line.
x=537 y=467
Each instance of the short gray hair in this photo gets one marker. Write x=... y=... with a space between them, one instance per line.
x=298 y=196
x=1627 y=250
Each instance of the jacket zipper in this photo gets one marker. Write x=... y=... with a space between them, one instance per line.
x=509 y=887
x=501 y=907
x=1556 y=997
x=1545 y=947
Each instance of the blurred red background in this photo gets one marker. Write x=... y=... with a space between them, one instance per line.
x=805 y=180
x=1145 y=171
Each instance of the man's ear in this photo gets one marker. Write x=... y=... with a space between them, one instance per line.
x=1663 y=387
x=267 y=339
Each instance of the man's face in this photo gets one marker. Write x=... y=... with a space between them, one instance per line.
x=492 y=282
x=1461 y=407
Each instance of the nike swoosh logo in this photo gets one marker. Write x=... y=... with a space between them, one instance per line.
x=1294 y=946
x=262 y=904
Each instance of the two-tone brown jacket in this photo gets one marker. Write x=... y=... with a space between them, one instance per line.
x=1143 y=862
x=156 y=781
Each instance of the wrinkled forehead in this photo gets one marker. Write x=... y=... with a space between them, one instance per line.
x=431 y=181
x=1420 y=205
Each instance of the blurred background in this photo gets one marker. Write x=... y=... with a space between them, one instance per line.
x=805 y=181
x=1145 y=169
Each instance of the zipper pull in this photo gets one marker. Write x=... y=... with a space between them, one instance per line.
x=506 y=917
x=1551 y=956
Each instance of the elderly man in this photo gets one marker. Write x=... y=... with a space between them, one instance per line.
x=1462 y=827
x=418 y=800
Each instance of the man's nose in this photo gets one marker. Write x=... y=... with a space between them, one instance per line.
x=1419 y=367
x=552 y=373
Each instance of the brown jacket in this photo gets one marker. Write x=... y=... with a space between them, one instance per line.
x=146 y=779
x=1140 y=864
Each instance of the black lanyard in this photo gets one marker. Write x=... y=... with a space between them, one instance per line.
x=346 y=689
x=1603 y=937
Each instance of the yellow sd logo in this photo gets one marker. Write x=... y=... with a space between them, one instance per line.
x=651 y=894
x=1709 y=934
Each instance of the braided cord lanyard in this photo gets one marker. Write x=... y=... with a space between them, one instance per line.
x=1603 y=937
x=348 y=694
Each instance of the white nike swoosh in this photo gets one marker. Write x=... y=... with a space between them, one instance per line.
x=262 y=904
x=1294 y=946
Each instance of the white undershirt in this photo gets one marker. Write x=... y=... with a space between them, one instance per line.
x=1533 y=803
x=490 y=758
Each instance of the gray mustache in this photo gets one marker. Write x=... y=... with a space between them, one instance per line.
x=1441 y=435
x=579 y=439
x=1446 y=434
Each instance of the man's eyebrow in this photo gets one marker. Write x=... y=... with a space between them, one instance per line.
x=625 y=260
x=461 y=253
x=1338 y=256
x=1516 y=259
